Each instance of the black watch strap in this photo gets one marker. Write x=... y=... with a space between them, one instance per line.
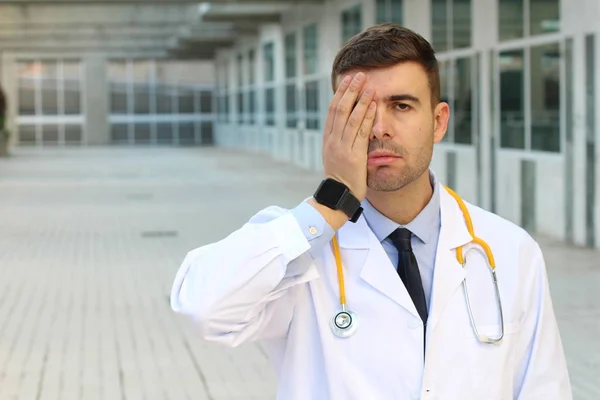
x=351 y=207
x=337 y=196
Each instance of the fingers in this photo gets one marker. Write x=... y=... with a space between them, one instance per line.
x=331 y=113
x=356 y=118
x=345 y=105
x=361 y=142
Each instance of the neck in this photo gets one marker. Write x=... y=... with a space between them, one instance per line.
x=403 y=205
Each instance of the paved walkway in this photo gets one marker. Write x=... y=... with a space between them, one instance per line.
x=90 y=241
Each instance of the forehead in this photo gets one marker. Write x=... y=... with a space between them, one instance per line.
x=404 y=78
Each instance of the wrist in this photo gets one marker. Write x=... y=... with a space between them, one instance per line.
x=335 y=218
x=333 y=195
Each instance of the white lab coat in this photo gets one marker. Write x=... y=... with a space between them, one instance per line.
x=260 y=283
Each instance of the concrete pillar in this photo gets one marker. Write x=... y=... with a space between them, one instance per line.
x=485 y=23
x=417 y=16
x=97 y=127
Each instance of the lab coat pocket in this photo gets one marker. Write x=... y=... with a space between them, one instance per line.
x=491 y=365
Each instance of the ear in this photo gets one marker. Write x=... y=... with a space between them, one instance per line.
x=441 y=114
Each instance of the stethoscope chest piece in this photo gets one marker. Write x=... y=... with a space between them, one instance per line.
x=344 y=323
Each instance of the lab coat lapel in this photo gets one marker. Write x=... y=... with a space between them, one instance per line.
x=364 y=255
x=448 y=273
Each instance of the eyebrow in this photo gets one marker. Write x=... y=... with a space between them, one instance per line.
x=397 y=97
x=403 y=97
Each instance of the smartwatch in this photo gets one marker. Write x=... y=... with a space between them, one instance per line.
x=337 y=196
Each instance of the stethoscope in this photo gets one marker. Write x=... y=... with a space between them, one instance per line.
x=345 y=322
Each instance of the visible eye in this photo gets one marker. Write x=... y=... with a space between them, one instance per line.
x=402 y=107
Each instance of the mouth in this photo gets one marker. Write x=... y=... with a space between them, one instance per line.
x=377 y=158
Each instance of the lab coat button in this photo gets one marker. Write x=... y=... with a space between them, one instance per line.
x=312 y=230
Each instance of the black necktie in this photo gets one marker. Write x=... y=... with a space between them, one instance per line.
x=408 y=269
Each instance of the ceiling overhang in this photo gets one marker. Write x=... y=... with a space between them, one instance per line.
x=173 y=28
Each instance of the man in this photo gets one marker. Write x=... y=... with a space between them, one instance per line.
x=276 y=278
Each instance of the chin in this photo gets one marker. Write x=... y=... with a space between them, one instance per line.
x=389 y=179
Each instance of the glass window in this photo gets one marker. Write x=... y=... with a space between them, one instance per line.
x=251 y=106
x=463 y=101
x=451 y=24
x=240 y=68
x=511 y=22
x=164 y=99
x=351 y=22
x=141 y=99
x=544 y=16
x=72 y=87
x=290 y=55
x=50 y=87
x=240 y=107
x=545 y=98
x=185 y=100
x=291 y=104
x=461 y=24
x=389 y=11
x=310 y=49
x=27 y=135
x=73 y=133
x=270 y=106
x=269 y=62
x=439 y=25
x=512 y=99
x=251 y=67
x=49 y=134
x=206 y=102
x=311 y=95
x=27 y=84
x=118 y=98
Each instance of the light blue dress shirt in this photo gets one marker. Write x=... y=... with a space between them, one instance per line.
x=425 y=228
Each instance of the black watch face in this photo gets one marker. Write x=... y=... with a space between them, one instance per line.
x=331 y=192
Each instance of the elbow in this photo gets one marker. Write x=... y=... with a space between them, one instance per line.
x=205 y=320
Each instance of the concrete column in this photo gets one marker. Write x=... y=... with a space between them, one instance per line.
x=579 y=140
x=417 y=16
x=485 y=23
x=97 y=127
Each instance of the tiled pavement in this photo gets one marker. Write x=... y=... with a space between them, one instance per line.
x=90 y=241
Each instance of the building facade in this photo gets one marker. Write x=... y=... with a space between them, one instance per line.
x=519 y=75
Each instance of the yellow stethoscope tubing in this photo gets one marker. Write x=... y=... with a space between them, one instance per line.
x=340 y=272
x=459 y=252
x=475 y=239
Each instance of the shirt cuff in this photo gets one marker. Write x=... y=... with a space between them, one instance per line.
x=316 y=230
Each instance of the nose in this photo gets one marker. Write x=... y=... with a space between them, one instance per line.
x=380 y=128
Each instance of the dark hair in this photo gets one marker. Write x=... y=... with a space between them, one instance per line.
x=385 y=45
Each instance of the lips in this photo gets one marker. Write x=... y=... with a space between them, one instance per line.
x=382 y=158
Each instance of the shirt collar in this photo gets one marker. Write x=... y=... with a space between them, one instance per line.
x=425 y=225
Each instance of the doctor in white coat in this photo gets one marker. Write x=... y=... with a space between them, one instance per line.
x=412 y=336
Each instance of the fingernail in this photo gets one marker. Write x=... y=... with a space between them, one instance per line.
x=358 y=76
x=368 y=91
x=347 y=79
x=372 y=105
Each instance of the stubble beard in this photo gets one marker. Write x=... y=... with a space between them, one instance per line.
x=392 y=178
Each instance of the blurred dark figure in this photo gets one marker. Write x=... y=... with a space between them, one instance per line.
x=2 y=107
x=4 y=136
